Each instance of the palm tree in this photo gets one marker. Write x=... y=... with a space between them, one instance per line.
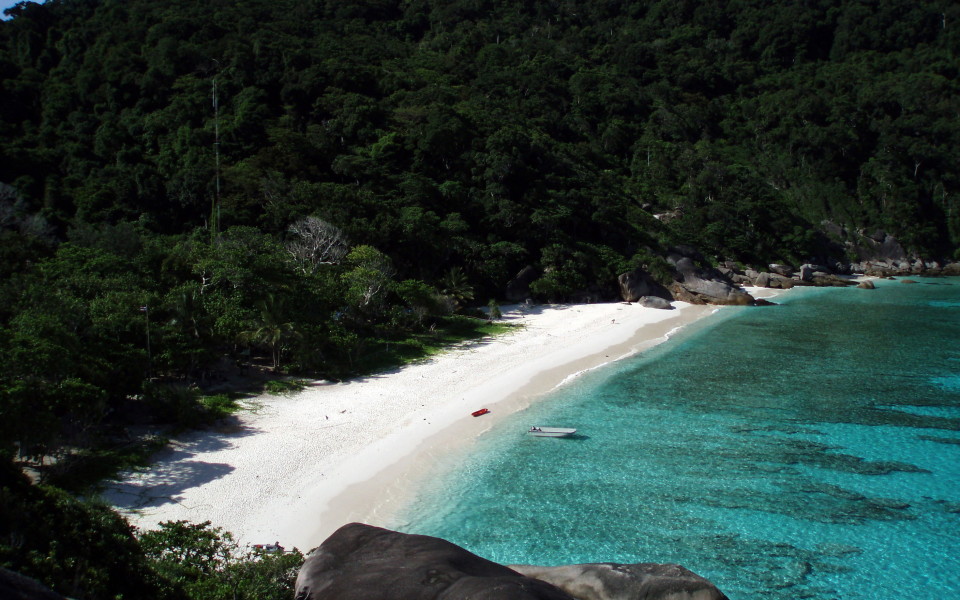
x=457 y=287
x=270 y=329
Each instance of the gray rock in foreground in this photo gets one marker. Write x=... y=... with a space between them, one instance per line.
x=654 y=302
x=611 y=581
x=14 y=586
x=361 y=562
x=637 y=284
x=704 y=286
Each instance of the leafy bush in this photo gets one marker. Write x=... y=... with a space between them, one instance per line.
x=219 y=405
x=208 y=564
x=178 y=403
x=79 y=549
x=284 y=386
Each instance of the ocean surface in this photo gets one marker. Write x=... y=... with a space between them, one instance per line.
x=805 y=450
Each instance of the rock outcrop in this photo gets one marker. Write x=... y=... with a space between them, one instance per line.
x=361 y=562
x=770 y=280
x=876 y=246
x=877 y=253
x=831 y=280
x=809 y=272
x=14 y=586
x=518 y=288
x=638 y=283
x=654 y=302
x=704 y=286
x=611 y=581
x=709 y=291
x=822 y=276
x=784 y=270
x=780 y=282
x=734 y=275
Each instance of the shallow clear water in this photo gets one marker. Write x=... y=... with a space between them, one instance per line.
x=805 y=450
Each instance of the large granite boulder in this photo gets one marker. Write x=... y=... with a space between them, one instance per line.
x=823 y=276
x=887 y=247
x=654 y=302
x=773 y=280
x=831 y=280
x=704 y=286
x=14 y=586
x=611 y=581
x=709 y=291
x=876 y=246
x=361 y=562
x=781 y=282
x=874 y=253
x=518 y=288
x=683 y=264
x=809 y=271
x=785 y=270
x=917 y=267
x=638 y=283
x=739 y=278
x=876 y=269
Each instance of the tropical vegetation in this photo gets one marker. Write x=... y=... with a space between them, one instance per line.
x=191 y=192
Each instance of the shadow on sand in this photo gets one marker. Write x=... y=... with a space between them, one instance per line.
x=173 y=469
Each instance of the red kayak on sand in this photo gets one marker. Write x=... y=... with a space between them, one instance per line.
x=482 y=411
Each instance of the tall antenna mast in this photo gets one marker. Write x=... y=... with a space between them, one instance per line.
x=215 y=217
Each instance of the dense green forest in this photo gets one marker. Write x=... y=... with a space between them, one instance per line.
x=322 y=187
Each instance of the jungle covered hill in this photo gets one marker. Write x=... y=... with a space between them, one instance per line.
x=485 y=135
x=186 y=186
x=194 y=189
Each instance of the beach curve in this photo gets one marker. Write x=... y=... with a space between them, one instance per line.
x=295 y=468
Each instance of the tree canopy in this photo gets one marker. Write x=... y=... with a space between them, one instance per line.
x=416 y=126
x=187 y=187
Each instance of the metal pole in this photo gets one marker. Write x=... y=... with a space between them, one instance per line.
x=146 y=313
x=216 y=150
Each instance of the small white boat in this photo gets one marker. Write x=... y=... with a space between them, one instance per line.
x=552 y=431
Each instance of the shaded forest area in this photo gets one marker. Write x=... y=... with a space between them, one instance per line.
x=189 y=189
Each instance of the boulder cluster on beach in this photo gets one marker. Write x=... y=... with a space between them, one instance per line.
x=879 y=256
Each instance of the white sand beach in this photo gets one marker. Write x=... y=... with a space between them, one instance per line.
x=294 y=468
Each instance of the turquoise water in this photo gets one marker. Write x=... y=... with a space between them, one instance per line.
x=805 y=450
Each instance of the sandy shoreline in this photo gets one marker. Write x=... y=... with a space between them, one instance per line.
x=295 y=468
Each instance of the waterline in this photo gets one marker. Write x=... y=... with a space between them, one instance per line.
x=802 y=450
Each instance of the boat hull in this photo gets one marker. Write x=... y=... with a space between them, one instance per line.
x=551 y=431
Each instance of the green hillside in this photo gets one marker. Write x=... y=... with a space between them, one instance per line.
x=195 y=190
